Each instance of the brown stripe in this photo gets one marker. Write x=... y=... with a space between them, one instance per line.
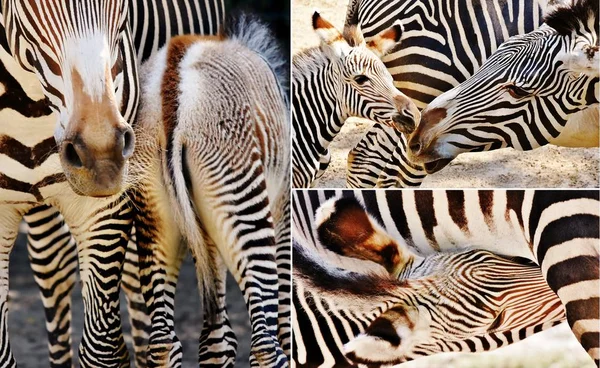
x=30 y=157
x=514 y=202
x=486 y=202
x=456 y=208
x=424 y=202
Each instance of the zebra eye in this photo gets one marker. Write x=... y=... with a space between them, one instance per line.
x=361 y=79
x=517 y=92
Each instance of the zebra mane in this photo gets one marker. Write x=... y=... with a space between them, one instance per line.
x=308 y=61
x=253 y=33
x=566 y=19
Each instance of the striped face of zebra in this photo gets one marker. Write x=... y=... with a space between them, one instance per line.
x=82 y=53
x=366 y=89
x=522 y=96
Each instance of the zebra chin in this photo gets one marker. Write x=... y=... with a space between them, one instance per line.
x=105 y=179
x=432 y=167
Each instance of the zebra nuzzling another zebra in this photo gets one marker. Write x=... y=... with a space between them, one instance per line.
x=537 y=88
x=399 y=231
x=343 y=77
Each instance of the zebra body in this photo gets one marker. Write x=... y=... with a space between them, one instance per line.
x=342 y=78
x=438 y=52
x=532 y=88
x=447 y=302
x=558 y=230
x=211 y=103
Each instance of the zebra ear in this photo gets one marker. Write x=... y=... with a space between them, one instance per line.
x=386 y=40
x=583 y=59
x=331 y=39
x=353 y=35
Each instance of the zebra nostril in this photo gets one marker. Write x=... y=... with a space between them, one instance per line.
x=71 y=156
x=415 y=147
x=128 y=143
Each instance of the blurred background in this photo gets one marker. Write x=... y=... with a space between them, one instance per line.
x=26 y=322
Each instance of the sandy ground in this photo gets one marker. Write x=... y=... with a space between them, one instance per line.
x=547 y=167
x=28 y=334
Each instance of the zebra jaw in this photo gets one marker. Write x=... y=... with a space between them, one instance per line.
x=432 y=167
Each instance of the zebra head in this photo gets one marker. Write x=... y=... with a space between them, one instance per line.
x=364 y=86
x=83 y=55
x=522 y=96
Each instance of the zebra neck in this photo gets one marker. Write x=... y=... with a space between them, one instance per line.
x=317 y=112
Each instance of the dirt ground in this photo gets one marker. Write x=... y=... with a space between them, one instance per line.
x=546 y=167
x=28 y=334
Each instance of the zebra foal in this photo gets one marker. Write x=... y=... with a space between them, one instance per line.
x=342 y=78
x=213 y=160
x=463 y=301
x=558 y=230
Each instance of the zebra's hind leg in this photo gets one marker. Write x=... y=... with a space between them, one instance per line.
x=53 y=258
x=218 y=343
x=138 y=313
x=281 y=218
x=9 y=229
x=237 y=217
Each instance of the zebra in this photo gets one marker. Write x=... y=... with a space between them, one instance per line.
x=230 y=217
x=53 y=159
x=558 y=230
x=343 y=77
x=152 y=24
x=436 y=54
x=537 y=88
x=468 y=300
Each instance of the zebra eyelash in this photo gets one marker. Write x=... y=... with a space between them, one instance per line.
x=517 y=92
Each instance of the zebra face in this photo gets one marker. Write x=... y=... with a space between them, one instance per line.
x=368 y=91
x=83 y=55
x=364 y=87
x=522 y=96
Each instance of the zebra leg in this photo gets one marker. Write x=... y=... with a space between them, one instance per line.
x=53 y=257
x=138 y=313
x=101 y=229
x=160 y=254
x=218 y=343
x=9 y=229
x=579 y=290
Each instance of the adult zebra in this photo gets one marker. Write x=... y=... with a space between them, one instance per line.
x=91 y=156
x=538 y=88
x=559 y=230
x=344 y=77
x=437 y=53
x=52 y=250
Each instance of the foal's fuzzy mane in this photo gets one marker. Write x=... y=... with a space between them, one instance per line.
x=250 y=31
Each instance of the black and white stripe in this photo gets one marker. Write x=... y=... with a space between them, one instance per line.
x=558 y=230
x=438 y=51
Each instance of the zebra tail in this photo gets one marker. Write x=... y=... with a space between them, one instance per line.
x=186 y=216
x=253 y=33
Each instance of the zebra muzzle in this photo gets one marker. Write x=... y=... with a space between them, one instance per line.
x=403 y=123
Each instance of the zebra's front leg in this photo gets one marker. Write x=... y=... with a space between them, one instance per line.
x=139 y=318
x=101 y=229
x=9 y=229
x=218 y=343
x=53 y=258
